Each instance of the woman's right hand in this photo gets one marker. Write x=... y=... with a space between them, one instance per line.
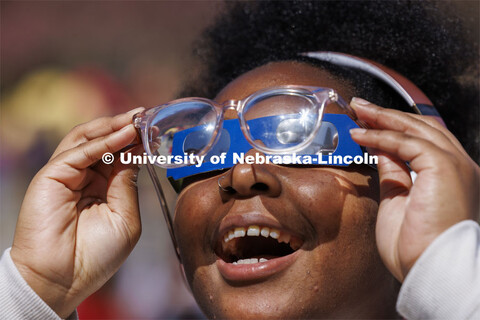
x=79 y=219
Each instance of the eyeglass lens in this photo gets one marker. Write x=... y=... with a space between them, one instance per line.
x=291 y=120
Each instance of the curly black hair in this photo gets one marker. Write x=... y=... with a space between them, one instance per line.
x=423 y=42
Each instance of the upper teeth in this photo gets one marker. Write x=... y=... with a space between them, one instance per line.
x=255 y=230
x=250 y=261
x=251 y=231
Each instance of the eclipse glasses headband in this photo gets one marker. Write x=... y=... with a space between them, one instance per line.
x=404 y=87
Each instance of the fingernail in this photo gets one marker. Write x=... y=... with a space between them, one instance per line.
x=136 y=110
x=360 y=101
x=358 y=131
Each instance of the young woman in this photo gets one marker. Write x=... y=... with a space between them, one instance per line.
x=282 y=241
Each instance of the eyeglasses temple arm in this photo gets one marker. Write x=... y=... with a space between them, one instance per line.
x=163 y=205
x=137 y=122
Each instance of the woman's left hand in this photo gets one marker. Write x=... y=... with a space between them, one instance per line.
x=446 y=190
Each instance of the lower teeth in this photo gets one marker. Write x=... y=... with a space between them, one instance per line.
x=250 y=261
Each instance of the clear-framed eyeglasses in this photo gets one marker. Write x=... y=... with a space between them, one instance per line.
x=279 y=120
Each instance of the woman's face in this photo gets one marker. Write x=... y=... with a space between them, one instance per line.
x=324 y=262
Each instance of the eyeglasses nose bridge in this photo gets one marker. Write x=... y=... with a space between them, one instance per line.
x=231 y=104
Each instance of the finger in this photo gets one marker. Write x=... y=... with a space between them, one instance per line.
x=94 y=192
x=94 y=129
x=420 y=153
x=72 y=178
x=394 y=175
x=90 y=152
x=122 y=197
x=382 y=118
x=106 y=169
x=97 y=188
x=435 y=124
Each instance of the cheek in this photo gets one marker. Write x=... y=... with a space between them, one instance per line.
x=358 y=232
x=353 y=256
x=350 y=258
x=320 y=199
x=339 y=205
x=195 y=209
x=345 y=250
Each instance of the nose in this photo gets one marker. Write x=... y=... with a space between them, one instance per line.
x=249 y=180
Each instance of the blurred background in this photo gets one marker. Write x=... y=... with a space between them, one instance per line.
x=67 y=62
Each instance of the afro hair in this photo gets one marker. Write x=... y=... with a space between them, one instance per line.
x=420 y=40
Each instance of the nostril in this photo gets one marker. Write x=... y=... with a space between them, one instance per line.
x=259 y=186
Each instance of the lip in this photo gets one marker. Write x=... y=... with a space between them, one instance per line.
x=255 y=271
x=248 y=219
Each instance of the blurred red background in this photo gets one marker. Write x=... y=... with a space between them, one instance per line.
x=67 y=62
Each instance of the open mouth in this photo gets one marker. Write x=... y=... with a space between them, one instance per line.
x=256 y=244
x=255 y=252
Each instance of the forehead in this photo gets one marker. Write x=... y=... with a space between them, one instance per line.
x=283 y=73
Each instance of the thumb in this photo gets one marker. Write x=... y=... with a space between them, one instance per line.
x=122 y=193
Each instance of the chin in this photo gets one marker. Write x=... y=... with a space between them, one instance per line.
x=271 y=299
x=315 y=284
